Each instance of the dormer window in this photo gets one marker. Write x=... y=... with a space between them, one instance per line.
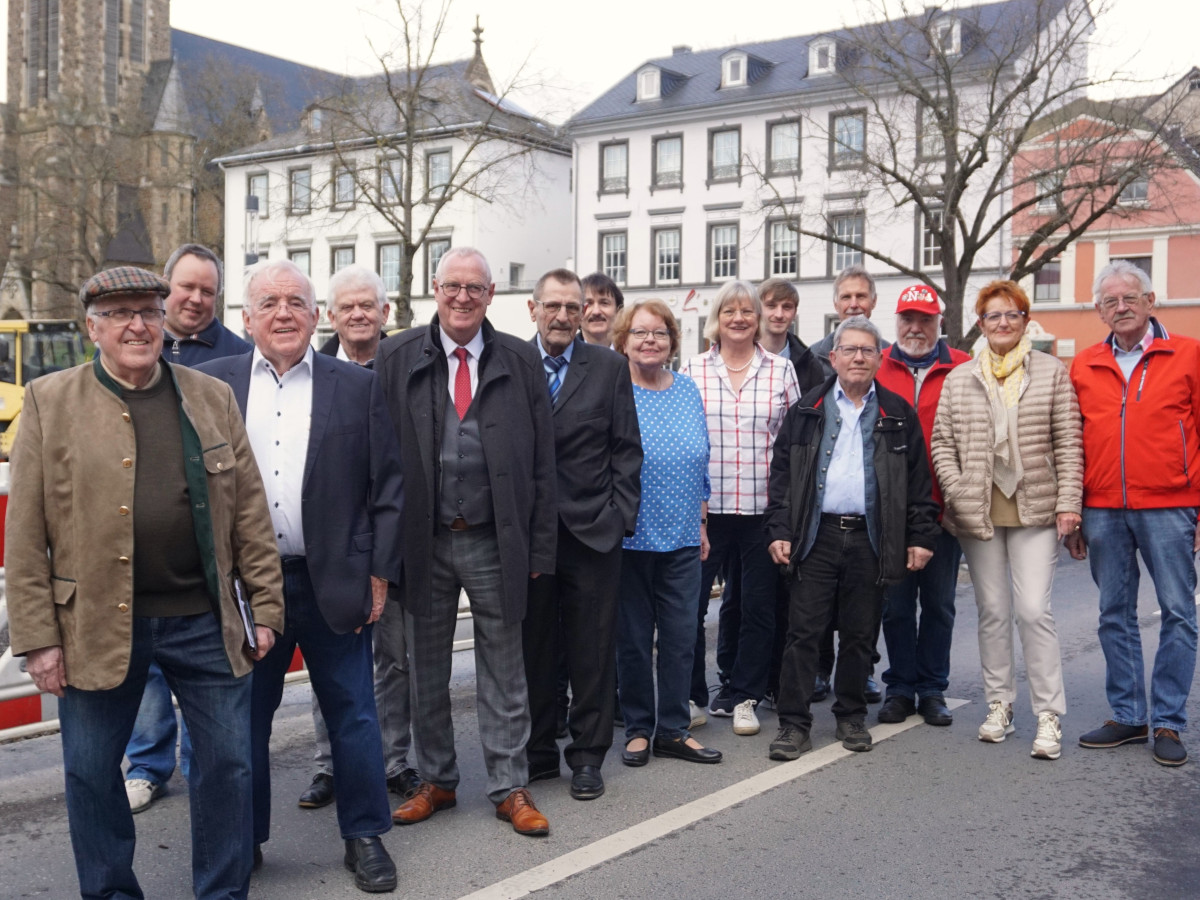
x=649 y=84
x=945 y=37
x=733 y=70
x=316 y=118
x=822 y=58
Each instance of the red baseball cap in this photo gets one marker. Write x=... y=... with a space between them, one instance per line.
x=919 y=298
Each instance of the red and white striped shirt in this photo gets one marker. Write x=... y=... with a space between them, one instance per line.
x=742 y=425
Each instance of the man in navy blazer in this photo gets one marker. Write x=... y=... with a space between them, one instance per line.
x=330 y=463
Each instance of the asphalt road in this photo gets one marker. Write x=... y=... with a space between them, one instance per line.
x=929 y=813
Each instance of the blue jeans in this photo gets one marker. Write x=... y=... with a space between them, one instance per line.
x=95 y=729
x=919 y=655
x=658 y=590
x=151 y=748
x=1165 y=539
x=340 y=667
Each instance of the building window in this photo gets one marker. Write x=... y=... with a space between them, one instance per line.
x=667 y=245
x=316 y=120
x=613 y=255
x=723 y=252
x=822 y=58
x=391 y=178
x=848 y=227
x=343 y=188
x=1142 y=262
x=931 y=143
x=784 y=250
x=614 y=168
x=724 y=155
x=649 y=85
x=516 y=272
x=339 y=258
x=302 y=260
x=256 y=186
x=437 y=172
x=387 y=259
x=299 y=191
x=733 y=71
x=668 y=161
x=1049 y=189
x=1136 y=193
x=931 y=240
x=847 y=139
x=435 y=249
x=783 y=142
x=944 y=37
x=1047 y=283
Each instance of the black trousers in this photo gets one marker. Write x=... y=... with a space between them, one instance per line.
x=576 y=606
x=839 y=577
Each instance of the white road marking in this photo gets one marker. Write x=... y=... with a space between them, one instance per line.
x=563 y=867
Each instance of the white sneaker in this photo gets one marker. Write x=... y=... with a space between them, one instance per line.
x=998 y=724
x=699 y=715
x=1048 y=743
x=141 y=793
x=744 y=719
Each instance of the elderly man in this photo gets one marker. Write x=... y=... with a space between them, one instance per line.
x=1139 y=394
x=849 y=510
x=129 y=453
x=192 y=336
x=322 y=437
x=598 y=454
x=602 y=300
x=915 y=367
x=358 y=310
x=472 y=412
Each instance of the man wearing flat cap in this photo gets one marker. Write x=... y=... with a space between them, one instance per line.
x=135 y=498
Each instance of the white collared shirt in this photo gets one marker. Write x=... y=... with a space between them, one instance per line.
x=278 y=421
x=474 y=348
x=1128 y=359
x=845 y=483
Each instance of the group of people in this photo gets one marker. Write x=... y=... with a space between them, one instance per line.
x=585 y=496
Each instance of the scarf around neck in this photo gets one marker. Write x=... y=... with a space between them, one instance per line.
x=1003 y=398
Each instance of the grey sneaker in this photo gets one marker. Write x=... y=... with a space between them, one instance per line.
x=790 y=743
x=998 y=724
x=854 y=735
x=141 y=793
x=699 y=715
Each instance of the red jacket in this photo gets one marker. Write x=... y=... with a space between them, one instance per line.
x=898 y=378
x=1141 y=440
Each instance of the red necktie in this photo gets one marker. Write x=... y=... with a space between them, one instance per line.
x=462 y=384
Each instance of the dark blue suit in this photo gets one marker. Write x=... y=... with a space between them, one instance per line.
x=351 y=506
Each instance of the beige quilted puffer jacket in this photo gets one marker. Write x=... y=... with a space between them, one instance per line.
x=1049 y=435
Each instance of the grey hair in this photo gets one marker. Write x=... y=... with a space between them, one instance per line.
x=354 y=277
x=858 y=323
x=454 y=253
x=1121 y=268
x=271 y=266
x=730 y=291
x=854 y=272
x=201 y=252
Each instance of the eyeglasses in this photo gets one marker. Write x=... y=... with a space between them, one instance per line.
x=1107 y=303
x=554 y=307
x=151 y=315
x=1011 y=316
x=640 y=334
x=849 y=351
x=474 y=290
x=730 y=312
x=297 y=305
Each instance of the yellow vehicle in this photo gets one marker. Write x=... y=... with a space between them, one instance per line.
x=29 y=349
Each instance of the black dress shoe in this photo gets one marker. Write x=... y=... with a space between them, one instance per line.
x=934 y=710
x=319 y=793
x=587 y=783
x=872 y=692
x=374 y=871
x=635 y=758
x=405 y=783
x=820 y=688
x=678 y=749
x=896 y=708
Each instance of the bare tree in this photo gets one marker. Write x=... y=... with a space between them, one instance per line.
x=381 y=127
x=970 y=120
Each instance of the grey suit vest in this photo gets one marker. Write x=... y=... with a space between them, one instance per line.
x=465 y=488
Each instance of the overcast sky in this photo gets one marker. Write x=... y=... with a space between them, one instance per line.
x=578 y=50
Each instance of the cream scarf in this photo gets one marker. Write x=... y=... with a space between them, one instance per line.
x=1003 y=399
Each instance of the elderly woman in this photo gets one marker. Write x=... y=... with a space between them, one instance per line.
x=746 y=393
x=660 y=564
x=1007 y=450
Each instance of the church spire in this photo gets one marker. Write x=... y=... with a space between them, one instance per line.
x=477 y=71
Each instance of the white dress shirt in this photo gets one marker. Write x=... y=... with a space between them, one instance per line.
x=278 y=420
x=474 y=347
x=845 y=482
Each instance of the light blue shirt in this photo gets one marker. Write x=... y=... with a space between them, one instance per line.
x=845 y=483
x=1128 y=359
x=566 y=354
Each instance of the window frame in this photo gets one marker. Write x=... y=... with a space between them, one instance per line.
x=924 y=251
x=923 y=152
x=769 y=256
x=655 y=185
x=1142 y=183
x=601 y=254
x=430 y=263
x=655 y=74
x=710 y=255
x=772 y=170
x=306 y=252
x=814 y=57
x=603 y=183
x=263 y=205
x=293 y=209
x=844 y=160
x=833 y=264
x=379 y=249
x=741 y=60
x=1053 y=203
x=341 y=171
x=1057 y=282
x=396 y=178
x=655 y=277
x=437 y=191
x=333 y=257
x=713 y=178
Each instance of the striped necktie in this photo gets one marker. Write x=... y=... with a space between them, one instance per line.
x=553 y=366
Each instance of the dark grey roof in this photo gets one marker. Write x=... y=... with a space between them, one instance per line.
x=984 y=28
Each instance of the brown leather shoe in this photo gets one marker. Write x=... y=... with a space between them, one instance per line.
x=518 y=808
x=427 y=800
